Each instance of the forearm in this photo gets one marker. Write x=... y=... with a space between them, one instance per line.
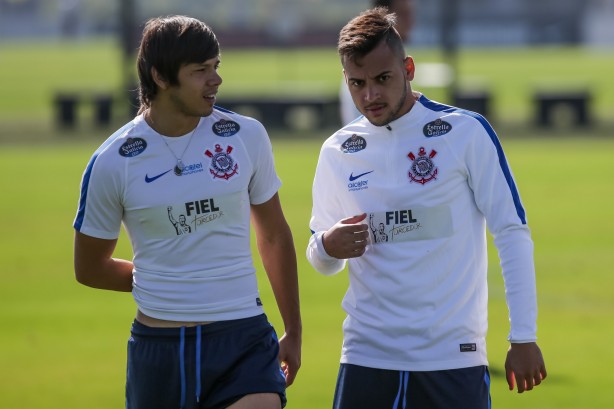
x=279 y=260
x=516 y=253
x=115 y=275
x=94 y=266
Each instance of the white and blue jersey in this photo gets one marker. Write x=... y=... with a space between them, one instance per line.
x=190 y=233
x=430 y=183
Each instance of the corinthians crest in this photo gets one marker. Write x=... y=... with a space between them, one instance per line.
x=422 y=169
x=222 y=165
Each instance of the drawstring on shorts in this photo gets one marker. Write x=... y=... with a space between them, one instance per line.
x=198 y=342
x=403 y=380
x=182 y=364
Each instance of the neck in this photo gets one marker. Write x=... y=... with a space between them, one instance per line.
x=170 y=124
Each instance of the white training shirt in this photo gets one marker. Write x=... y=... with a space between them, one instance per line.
x=430 y=183
x=190 y=234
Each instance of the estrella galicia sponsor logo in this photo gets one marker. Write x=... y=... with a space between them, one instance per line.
x=155 y=177
x=353 y=144
x=436 y=128
x=225 y=128
x=132 y=147
x=357 y=182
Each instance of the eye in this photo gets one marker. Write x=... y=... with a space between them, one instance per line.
x=356 y=83
x=384 y=77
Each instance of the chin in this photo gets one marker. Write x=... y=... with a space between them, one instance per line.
x=378 y=121
x=206 y=111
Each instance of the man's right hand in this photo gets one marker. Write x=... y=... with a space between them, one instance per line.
x=348 y=238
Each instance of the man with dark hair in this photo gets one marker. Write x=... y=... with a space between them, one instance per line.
x=200 y=337
x=434 y=176
x=404 y=12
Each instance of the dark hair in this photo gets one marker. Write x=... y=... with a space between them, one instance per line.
x=167 y=44
x=363 y=33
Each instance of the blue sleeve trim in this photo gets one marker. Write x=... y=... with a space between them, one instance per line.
x=83 y=197
x=88 y=172
x=228 y=111
x=435 y=106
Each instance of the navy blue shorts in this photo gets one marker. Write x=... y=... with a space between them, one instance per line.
x=359 y=387
x=206 y=367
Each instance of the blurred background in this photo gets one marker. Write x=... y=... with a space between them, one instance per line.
x=544 y=63
x=316 y=22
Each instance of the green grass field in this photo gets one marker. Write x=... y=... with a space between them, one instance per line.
x=63 y=345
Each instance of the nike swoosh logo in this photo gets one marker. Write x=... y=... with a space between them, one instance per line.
x=353 y=178
x=151 y=179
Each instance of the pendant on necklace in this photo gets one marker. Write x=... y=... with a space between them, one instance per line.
x=179 y=167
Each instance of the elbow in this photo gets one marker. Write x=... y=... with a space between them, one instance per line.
x=82 y=277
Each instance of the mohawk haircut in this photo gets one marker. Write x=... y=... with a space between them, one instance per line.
x=364 y=32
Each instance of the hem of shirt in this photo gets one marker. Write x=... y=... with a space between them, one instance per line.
x=416 y=366
x=266 y=196
x=97 y=234
x=201 y=317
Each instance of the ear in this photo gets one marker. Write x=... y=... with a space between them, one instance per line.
x=410 y=68
x=158 y=79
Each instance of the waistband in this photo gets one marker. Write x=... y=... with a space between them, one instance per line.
x=141 y=330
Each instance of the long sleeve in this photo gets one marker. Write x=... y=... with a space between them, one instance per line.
x=497 y=197
x=322 y=262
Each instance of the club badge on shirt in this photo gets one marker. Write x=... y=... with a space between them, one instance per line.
x=222 y=165
x=422 y=169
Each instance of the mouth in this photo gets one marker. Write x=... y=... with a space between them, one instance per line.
x=375 y=109
x=210 y=98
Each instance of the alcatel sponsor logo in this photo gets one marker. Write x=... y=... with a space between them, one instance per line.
x=355 y=184
x=193 y=168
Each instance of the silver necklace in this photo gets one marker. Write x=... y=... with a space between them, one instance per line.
x=179 y=166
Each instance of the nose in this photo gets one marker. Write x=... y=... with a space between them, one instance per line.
x=215 y=80
x=371 y=93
